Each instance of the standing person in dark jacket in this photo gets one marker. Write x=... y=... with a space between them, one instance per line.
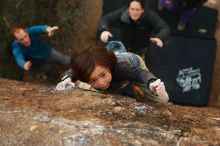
x=185 y=9
x=32 y=52
x=140 y=27
x=121 y=73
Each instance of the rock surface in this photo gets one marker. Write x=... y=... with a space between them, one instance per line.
x=38 y=115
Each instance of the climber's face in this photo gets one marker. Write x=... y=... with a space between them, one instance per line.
x=100 y=78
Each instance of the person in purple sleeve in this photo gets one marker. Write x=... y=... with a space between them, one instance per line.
x=185 y=8
x=31 y=52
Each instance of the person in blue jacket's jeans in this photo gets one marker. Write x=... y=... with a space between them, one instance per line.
x=31 y=52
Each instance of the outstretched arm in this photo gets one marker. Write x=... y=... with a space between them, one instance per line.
x=19 y=56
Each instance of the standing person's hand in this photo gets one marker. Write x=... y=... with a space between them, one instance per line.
x=51 y=30
x=105 y=36
x=157 y=42
x=27 y=65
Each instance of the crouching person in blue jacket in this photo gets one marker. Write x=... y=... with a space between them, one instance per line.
x=125 y=73
x=30 y=51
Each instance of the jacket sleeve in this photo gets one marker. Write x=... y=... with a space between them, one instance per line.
x=160 y=29
x=134 y=74
x=110 y=19
x=38 y=29
x=19 y=57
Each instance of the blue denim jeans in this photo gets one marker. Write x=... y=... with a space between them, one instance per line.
x=131 y=58
x=120 y=51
